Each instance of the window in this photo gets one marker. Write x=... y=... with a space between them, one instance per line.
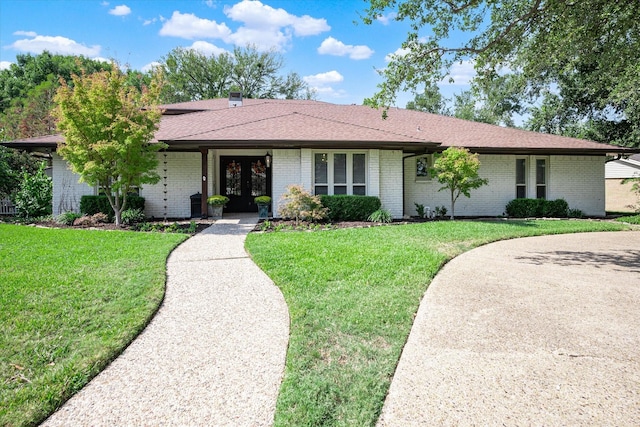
x=340 y=173
x=541 y=178
x=423 y=163
x=521 y=178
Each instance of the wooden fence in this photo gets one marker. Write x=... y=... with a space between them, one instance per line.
x=6 y=207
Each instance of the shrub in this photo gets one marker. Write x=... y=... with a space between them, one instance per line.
x=575 y=213
x=526 y=208
x=440 y=211
x=217 y=200
x=381 y=215
x=262 y=200
x=35 y=194
x=100 y=217
x=300 y=205
x=91 y=205
x=67 y=218
x=84 y=221
x=419 y=210
x=132 y=216
x=350 y=208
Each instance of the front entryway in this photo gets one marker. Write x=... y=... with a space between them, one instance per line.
x=241 y=179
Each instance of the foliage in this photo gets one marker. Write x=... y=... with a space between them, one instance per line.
x=92 y=205
x=575 y=213
x=72 y=300
x=132 y=216
x=13 y=164
x=299 y=204
x=35 y=194
x=67 y=218
x=217 y=200
x=350 y=322
x=191 y=75
x=440 y=211
x=457 y=169
x=350 y=208
x=107 y=125
x=420 y=210
x=630 y=219
x=381 y=215
x=537 y=208
x=262 y=200
x=579 y=58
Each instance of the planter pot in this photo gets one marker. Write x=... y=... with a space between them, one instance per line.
x=215 y=211
x=263 y=211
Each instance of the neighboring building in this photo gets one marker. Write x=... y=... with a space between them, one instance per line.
x=262 y=146
x=619 y=196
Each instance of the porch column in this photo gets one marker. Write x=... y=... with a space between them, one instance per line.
x=205 y=173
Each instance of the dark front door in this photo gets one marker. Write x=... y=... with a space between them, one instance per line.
x=241 y=179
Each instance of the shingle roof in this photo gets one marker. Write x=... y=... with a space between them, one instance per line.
x=304 y=123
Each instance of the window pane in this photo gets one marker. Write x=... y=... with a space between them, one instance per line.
x=359 y=190
x=258 y=178
x=321 y=189
x=541 y=192
x=340 y=169
x=422 y=167
x=321 y=168
x=359 y=175
x=541 y=176
x=521 y=192
x=234 y=178
x=520 y=171
x=340 y=189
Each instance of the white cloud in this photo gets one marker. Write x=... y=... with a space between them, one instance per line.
x=189 y=26
x=150 y=66
x=4 y=65
x=322 y=84
x=149 y=21
x=55 y=44
x=331 y=46
x=460 y=73
x=122 y=10
x=399 y=53
x=104 y=3
x=25 y=33
x=206 y=48
x=267 y=27
x=385 y=19
x=324 y=79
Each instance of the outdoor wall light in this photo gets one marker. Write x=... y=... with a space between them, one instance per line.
x=267 y=160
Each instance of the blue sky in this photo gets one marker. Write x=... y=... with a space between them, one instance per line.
x=324 y=41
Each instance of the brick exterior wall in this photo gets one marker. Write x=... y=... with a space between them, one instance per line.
x=390 y=168
x=620 y=197
x=286 y=171
x=577 y=179
x=67 y=190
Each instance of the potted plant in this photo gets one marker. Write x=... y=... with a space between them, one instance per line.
x=263 y=206
x=217 y=202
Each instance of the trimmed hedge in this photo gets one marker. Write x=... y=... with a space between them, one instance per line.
x=350 y=208
x=528 y=208
x=91 y=205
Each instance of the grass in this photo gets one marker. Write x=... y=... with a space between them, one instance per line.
x=352 y=295
x=70 y=302
x=630 y=219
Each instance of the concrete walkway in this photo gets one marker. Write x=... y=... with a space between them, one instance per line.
x=213 y=355
x=540 y=331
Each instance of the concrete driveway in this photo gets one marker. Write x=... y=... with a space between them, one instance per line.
x=540 y=331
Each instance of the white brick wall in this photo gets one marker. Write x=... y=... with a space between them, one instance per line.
x=577 y=179
x=286 y=170
x=182 y=178
x=391 y=182
x=67 y=190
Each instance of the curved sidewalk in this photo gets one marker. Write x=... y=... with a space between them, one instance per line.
x=533 y=331
x=214 y=353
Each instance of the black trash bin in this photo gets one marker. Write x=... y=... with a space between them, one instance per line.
x=196 y=205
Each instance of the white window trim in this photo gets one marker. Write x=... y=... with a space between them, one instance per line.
x=546 y=176
x=526 y=176
x=330 y=170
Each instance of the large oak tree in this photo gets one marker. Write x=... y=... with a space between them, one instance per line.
x=579 y=57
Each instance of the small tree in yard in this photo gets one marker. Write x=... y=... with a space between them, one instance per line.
x=300 y=205
x=457 y=169
x=108 y=124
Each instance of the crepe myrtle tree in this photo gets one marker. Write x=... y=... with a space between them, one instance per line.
x=107 y=125
x=457 y=169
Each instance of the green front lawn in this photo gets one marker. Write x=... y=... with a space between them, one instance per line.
x=352 y=295
x=70 y=302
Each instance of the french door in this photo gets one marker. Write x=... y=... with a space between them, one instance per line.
x=241 y=179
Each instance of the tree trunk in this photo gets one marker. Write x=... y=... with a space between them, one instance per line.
x=453 y=204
